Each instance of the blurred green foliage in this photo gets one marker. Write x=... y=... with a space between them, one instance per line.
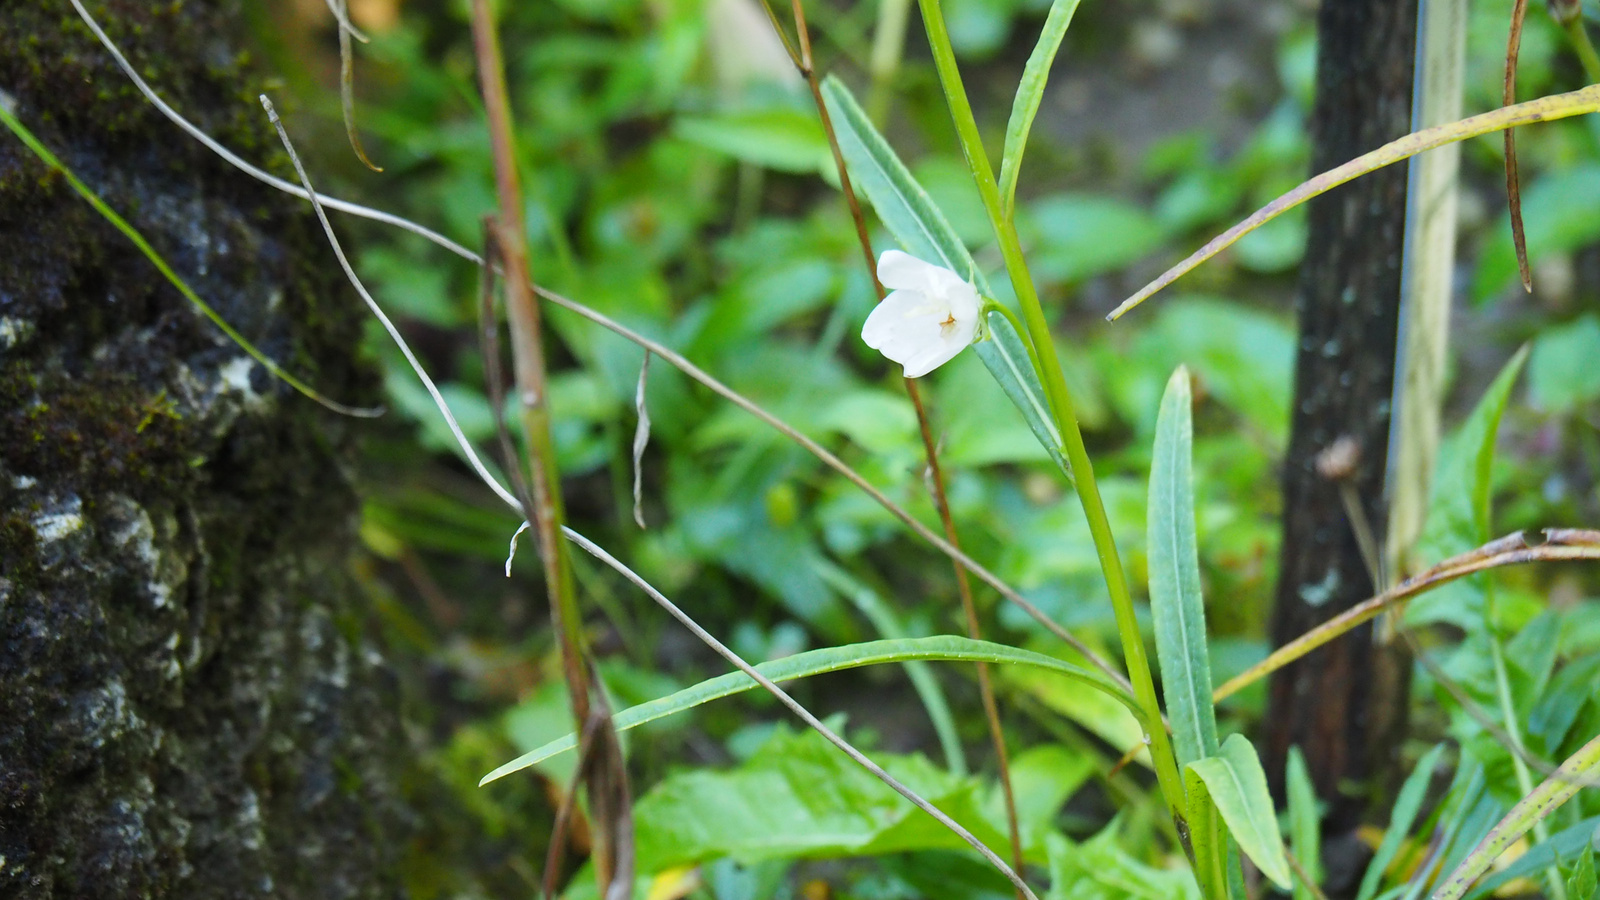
x=677 y=179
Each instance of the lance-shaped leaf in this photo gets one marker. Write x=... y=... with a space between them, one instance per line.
x=1175 y=602
x=830 y=659
x=923 y=231
x=1238 y=786
x=1030 y=91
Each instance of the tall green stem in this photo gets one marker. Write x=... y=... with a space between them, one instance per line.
x=1060 y=398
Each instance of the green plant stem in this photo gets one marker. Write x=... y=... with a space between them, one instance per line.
x=1582 y=46
x=1060 y=397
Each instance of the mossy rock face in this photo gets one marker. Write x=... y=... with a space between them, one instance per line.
x=180 y=713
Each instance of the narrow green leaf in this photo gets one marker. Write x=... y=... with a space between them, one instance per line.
x=1175 y=602
x=1238 y=786
x=923 y=231
x=1458 y=513
x=1205 y=836
x=1579 y=770
x=1029 y=93
x=901 y=203
x=948 y=648
x=1305 y=823
x=1007 y=359
x=919 y=673
x=1581 y=880
x=1406 y=807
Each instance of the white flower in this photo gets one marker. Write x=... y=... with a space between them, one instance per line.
x=931 y=315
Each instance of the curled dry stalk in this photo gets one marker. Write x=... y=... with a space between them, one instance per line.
x=1508 y=96
x=1544 y=109
x=803 y=61
x=604 y=775
x=1513 y=549
x=347 y=78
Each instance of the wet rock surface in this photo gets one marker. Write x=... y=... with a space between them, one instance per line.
x=191 y=704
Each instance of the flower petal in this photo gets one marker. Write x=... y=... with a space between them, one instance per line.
x=903 y=322
x=900 y=271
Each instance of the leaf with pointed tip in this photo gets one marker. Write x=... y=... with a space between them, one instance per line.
x=1030 y=91
x=829 y=659
x=1238 y=786
x=1175 y=602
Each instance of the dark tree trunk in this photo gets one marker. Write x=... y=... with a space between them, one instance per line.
x=1341 y=703
x=190 y=703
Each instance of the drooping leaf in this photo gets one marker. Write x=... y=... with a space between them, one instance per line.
x=1175 y=601
x=829 y=659
x=1030 y=92
x=1238 y=786
x=1406 y=806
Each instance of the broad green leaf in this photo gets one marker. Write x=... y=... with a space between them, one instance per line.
x=1174 y=561
x=1562 y=374
x=901 y=203
x=1458 y=517
x=1101 y=868
x=829 y=659
x=788 y=140
x=800 y=797
x=1305 y=822
x=1579 y=769
x=1030 y=91
x=916 y=222
x=1006 y=356
x=1238 y=786
x=1206 y=836
x=1404 y=814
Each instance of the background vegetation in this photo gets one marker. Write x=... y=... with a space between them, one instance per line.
x=677 y=180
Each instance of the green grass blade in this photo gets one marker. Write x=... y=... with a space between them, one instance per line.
x=1579 y=770
x=1175 y=602
x=132 y=234
x=919 y=673
x=1305 y=822
x=1238 y=786
x=945 y=648
x=1029 y=93
x=1406 y=807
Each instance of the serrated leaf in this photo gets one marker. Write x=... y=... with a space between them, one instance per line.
x=947 y=648
x=1174 y=561
x=1030 y=91
x=1238 y=786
